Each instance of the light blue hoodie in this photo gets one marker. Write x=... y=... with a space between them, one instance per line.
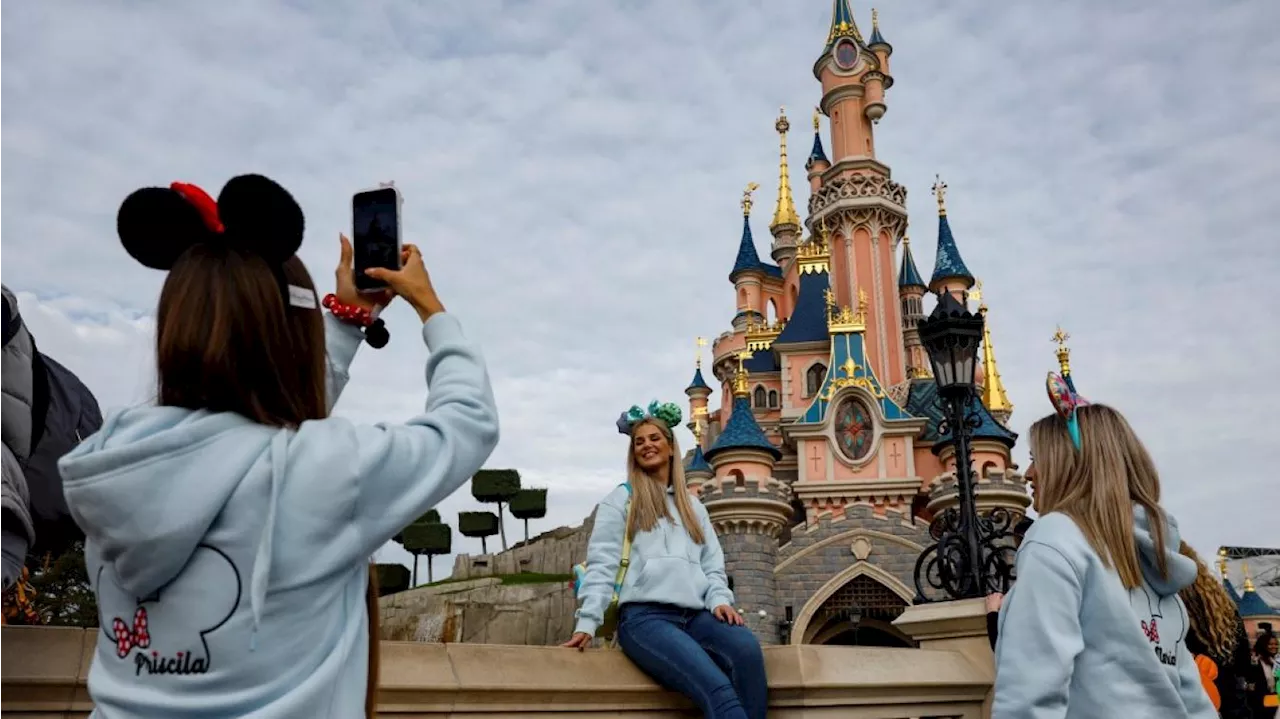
x=1075 y=644
x=666 y=566
x=230 y=559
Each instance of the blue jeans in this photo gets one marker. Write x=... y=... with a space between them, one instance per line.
x=717 y=665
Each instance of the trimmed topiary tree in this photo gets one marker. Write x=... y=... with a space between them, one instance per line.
x=529 y=504
x=427 y=535
x=496 y=486
x=392 y=578
x=478 y=524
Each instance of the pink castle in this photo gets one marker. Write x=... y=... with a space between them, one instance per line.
x=822 y=460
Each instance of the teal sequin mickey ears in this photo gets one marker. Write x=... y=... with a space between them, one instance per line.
x=668 y=413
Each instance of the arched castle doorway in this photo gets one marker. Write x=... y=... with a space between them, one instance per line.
x=860 y=613
x=856 y=607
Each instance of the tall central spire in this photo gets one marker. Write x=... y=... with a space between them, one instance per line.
x=785 y=212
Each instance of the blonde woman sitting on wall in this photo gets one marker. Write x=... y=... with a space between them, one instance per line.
x=654 y=559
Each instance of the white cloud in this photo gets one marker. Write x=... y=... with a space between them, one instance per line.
x=572 y=171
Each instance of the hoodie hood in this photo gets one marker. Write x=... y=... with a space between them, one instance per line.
x=1182 y=570
x=147 y=487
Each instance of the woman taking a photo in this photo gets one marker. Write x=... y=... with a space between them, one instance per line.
x=677 y=621
x=1094 y=627
x=229 y=526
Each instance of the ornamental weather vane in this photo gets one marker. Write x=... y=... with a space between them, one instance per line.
x=746 y=198
x=940 y=192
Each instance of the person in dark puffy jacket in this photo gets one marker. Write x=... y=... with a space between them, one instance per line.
x=18 y=532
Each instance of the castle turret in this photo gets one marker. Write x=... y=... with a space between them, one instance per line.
x=785 y=226
x=698 y=392
x=911 y=289
x=949 y=271
x=993 y=393
x=748 y=271
x=817 y=162
x=698 y=470
x=749 y=509
x=877 y=80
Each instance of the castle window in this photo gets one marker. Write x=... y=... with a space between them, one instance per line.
x=813 y=379
x=761 y=398
x=773 y=399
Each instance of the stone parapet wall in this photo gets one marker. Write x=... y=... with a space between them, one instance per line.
x=479 y=611
x=1003 y=489
x=553 y=552
x=44 y=672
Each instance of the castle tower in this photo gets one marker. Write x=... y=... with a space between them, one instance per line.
x=785 y=226
x=749 y=509
x=993 y=393
x=748 y=272
x=698 y=392
x=950 y=274
x=854 y=197
x=911 y=289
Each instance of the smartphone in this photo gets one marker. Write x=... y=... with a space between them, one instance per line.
x=375 y=234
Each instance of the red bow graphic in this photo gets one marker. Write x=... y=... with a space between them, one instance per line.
x=127 y=639
x=1151 y=630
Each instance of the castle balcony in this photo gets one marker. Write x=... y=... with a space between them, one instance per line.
x=858 y=192
x=951 y=675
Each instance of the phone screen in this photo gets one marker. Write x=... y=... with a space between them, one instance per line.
x=376 y=234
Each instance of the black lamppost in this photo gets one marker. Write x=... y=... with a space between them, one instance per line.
x=967 y=560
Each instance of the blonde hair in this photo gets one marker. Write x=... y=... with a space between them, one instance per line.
x=649 y=494
x=1098 y=484
x=1212 y=613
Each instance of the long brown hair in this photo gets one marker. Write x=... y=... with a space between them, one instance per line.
x=1214 y=617
x=228 y=341
x=1098 y=484
x=649 y=494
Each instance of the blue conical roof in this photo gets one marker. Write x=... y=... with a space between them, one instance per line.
x=698 y=463
x=748 y=259
x=817 y=154
x=742 y=432
x=948 y=264
x=908 y=275
x=842 y=23
x=876 y=38
x=1252 y=605
x=698 y=382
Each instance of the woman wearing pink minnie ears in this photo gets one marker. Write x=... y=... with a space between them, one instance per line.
x=1094 y=626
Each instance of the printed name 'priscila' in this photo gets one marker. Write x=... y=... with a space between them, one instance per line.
x=180 y=663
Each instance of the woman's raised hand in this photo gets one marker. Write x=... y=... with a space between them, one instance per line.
x=580 y=641
x=345 y=282
x=411 y=282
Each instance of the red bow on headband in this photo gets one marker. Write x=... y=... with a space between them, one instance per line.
x=204 y=204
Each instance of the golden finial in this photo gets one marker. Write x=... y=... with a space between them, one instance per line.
x=785 y=212
x=845 y=319
x=1064 y=352
x=994 y=395
x=746 y=198
x=740 y=388
x=862 y=302
x=816 y=124
x=830 y=298
x=1222 y=563
x=906 y=240
x=1248 y=580
x=875 y=19
x=940 y=192
x=700 y=342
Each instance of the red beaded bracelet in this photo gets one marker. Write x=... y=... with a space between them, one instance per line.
x=351 y=314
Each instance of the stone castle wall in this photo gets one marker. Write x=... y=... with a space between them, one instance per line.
x=479 y=611
x=553 y=552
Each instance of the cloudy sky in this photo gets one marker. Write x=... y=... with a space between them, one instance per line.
x=572 y=172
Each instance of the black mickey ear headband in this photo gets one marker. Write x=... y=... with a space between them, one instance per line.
x=252 y=214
